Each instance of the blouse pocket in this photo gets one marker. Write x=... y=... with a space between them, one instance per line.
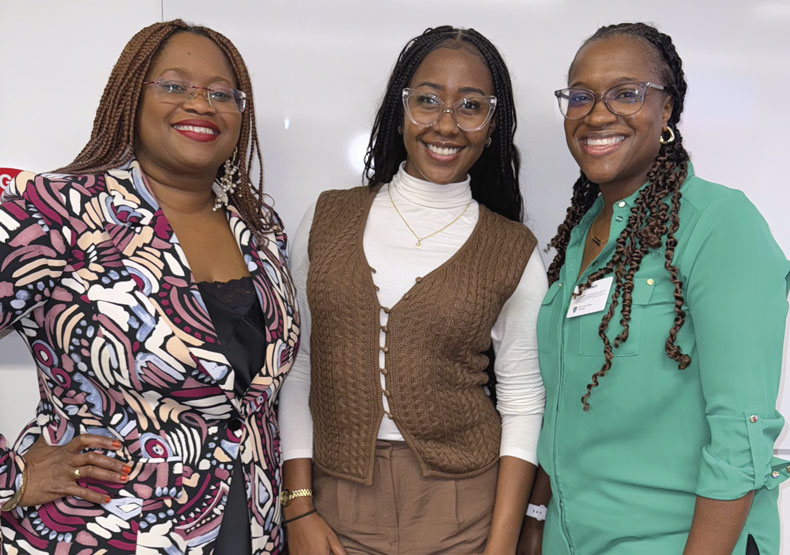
x=545 y=317
x=590 y=342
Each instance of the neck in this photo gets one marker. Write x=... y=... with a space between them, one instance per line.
x=428 y=194
x=186 y=193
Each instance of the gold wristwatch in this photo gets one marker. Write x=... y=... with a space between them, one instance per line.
x=286 y=496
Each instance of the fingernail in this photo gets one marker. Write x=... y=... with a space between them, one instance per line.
x=116 y=444
x=106 y=499
x=126 y=469
x=124 y=478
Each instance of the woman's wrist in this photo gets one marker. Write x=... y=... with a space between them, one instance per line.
x=13 y=503
x=298 y=506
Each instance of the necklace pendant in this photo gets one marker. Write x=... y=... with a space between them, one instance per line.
x=595 y=240
x=418 y=244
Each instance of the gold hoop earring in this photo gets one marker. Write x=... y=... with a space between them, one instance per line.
x=669 y=139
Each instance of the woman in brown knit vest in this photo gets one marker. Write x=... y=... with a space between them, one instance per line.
x=391 y=442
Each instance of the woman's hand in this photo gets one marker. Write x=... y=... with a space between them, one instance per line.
x=53 y=470
x=311 y=535
x=531 y=539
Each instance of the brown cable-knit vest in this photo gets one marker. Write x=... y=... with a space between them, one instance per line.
x=436 y=338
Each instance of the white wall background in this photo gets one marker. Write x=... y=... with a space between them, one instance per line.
x=319 y=69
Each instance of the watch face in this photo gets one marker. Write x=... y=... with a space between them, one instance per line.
x=285 y=497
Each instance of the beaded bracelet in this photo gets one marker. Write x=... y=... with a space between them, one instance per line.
x=13 y=503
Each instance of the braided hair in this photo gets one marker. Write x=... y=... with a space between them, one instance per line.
x=654 y=217
x=111 y=143
x=494 y=177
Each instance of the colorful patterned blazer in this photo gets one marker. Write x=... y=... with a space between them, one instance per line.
x=94 y=279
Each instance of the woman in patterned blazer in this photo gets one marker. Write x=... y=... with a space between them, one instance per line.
x=149 y=280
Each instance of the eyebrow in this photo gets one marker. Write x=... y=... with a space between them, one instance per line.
x=462 y=90
x=212 y=79
x=614 y=82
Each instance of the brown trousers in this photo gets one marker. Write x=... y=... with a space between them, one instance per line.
x=404 y=512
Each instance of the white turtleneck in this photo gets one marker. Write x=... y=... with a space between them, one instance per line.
x=390 y=248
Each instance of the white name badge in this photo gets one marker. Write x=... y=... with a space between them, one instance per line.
x=592 y=300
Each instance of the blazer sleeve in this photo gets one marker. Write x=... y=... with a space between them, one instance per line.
x=34 y=251
x=737 y=300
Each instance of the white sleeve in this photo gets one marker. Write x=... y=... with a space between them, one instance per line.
x=296 y=423
x=521 y=396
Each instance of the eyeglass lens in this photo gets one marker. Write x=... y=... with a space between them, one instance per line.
x=425 y=109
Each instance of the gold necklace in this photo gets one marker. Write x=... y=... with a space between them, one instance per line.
x=418 y=244
x=598 y=242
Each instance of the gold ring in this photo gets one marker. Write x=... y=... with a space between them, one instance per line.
x=76 y=473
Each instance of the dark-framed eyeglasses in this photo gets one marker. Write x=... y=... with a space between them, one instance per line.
x=425 y=109
x=176 y=91
x=624 y=99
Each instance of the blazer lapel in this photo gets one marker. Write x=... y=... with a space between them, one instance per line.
x=277 y=297
x=156 y=263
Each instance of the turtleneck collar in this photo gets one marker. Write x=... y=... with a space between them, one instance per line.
x=428 y=194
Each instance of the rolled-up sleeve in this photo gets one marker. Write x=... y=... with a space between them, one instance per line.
x=736 y=294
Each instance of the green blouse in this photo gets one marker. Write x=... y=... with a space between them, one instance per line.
x=626 y=473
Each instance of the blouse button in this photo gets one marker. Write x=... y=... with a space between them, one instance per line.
x=775 y=474
x=753 y=418
x=621 y=203
x=559 y=284
x=788 y=468
x=650 y=281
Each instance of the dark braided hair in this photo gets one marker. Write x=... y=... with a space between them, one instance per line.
x=652 y=218
x=494 y=177
x=112 y=140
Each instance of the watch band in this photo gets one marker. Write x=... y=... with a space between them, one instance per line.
x=287 y=495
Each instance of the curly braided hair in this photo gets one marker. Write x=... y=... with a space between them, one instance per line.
x=111 y=143
x=653 y=217
x=494 y=177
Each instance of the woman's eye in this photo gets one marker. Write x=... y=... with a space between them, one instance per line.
x=471 y=105
x=579 y=97
x=173 y=87
x=427 y=100
x=627 y=95
x=221 y=95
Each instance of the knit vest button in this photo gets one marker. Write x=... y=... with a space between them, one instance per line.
x=385 y=329
x=385 y=349
x=387 y=393
x=389 y=415
x=418 y=279
x=385 y=309
x=406 y=296
x=384 y=371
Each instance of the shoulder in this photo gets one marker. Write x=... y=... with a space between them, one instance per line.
x=55 y=192
x=503 y=225
x=341 y=196
x=709 y=199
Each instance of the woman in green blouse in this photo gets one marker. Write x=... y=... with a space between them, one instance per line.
x=662 y=374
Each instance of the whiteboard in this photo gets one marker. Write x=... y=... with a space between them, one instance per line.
x=319 y=69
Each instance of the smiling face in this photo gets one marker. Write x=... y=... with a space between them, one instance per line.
x=613 y=151
x=190 y=137
x=443 y=153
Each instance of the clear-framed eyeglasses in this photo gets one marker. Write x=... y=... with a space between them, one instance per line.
x=176 y=92
x=624 y=99
x=470 y=113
